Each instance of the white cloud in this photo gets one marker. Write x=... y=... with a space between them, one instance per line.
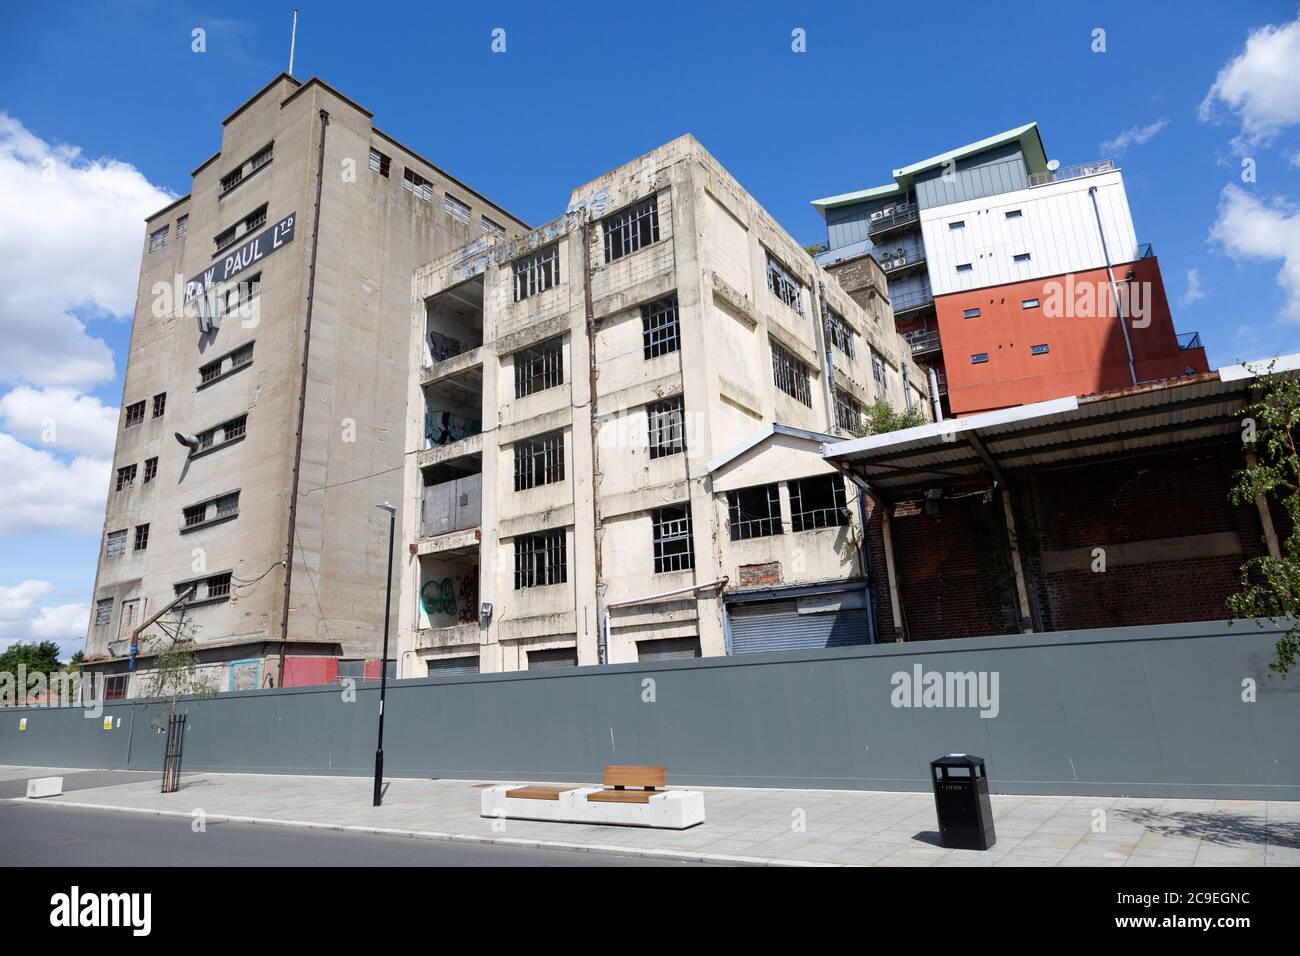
x=24 y=618
x=42 y=492
x=61 y=418
x=1261 y=84
x=71 y=242
x=1249 y=228
x=1133 y=136
x=1194 y=292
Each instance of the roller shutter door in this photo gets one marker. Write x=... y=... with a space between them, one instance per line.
x=451 y=666
x=668 y=649
x=835 y=620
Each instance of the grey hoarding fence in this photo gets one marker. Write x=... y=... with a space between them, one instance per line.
x=1187 y=710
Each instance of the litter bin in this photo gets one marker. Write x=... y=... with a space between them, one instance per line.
x=961 y=799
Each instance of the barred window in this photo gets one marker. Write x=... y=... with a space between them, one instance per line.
x=219 y=585
x=125 y=476
x=255 y=219
x=195 y=514
x=489 y=228
x=455 y=208
x=791 y=375
x=379 y=163
x=103 y=611
x=784 y=286
x=539 y=368
x=413 y=182
x=659 y=329
x=115 y=686
x=182 y=225
x=231 y=180
x=141 y=537
x=818 y=503
x=878 y=371
x=150 y=469
x=241 y=356
x=261 y=157
x=540 y=559
x=630 y=229
x=216 y=586
x=539 y=461
x=228 y=505
x=841 y=333
x=672 y=539
x=537 y=271
x=158 y=239
x=115 y=544
x=234 y=428
x=224 y=238
x=667 y=427
x=848 y=413
x=134 y=414
x=755 y=512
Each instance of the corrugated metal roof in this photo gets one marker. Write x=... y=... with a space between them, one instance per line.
x=1141 y=418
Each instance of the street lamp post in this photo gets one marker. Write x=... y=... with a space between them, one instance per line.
x=383 y=661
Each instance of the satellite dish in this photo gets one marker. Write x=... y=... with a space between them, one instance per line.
x=1053 y=165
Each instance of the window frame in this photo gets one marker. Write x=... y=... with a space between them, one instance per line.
x=631 y=229
x=671 y=528
x=542 y=367
x=539 y=460
x=666 y=427
x=660 y=327
x=742 y=528
x=541 y=559
x=536 y=271
x=836 y=515
x=787 y=365
x=783 y=284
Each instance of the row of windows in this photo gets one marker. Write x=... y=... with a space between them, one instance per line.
x=135 y=412
x=126 y=474
x=245 y=169
x=422 y=189
x=818 y=502
x=158 y=238
x=230 y=362
x=961 y=223
x=253 y=221
x=979 y=358
x=1017 y=257
x=1024 y=304
x=212 y=510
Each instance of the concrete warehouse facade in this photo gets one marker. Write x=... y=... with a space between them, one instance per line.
x=614 y=431
x=217 y=355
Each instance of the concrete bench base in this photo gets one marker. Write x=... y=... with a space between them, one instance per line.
x=670 y=810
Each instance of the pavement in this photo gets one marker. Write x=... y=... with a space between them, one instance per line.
x=743 y=826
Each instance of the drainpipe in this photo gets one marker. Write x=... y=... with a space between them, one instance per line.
x=598 y=531
x=1114 y=286
x=907 y=382
x=302 y=398
x=864 y=546
x=828 y=380
x=934 y=395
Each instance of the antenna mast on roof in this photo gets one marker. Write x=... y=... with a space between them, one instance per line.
x=293 y=39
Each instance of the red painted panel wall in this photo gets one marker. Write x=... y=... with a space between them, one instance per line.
x=310 y=671
x=1076 y=320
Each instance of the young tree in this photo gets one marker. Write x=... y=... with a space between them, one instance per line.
x=176 y=668
x=1270 y=587
x=880 y=417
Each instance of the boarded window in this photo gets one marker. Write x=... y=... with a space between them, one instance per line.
x=455 y=208
x=115 y=543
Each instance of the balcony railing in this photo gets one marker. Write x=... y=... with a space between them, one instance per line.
x=903 y=214
x=1189 y=340
x=911 y=300
x=923 y=341
x=1072 y=172
x=897 y=260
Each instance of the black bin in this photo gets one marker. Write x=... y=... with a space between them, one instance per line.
x=961 y=799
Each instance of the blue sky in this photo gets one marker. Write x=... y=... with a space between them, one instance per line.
x=584 y=87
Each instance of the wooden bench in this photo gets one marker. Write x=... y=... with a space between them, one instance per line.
x=631 y=796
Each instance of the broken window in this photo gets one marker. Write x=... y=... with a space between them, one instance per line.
x=125 y=476
x=228 y=505
x=878 y=371
x=784 y=286
x=141 y=537
x=489 y=228
x=848 y=413
x=539 y=461
x=791 y=375
x=755 y=512
x=158 y=239
x=818 y=503
x=159 y=404
x=632 y=228
x=205 y=589
x=241 y=356
x=115 y=544
x=672 y=539
x=539 y=368
x=195 y=514
x=379 y=163
x=841 y=333
x=537 y=271
x=659 y=330
x=667 y=427
x=540 y=559
x=413 y=182
x=103 y=611
x=150 y=469
x=182 y=225
x=455 y=208
x=134 y=414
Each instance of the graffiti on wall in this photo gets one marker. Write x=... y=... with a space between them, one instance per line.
x=455 y=598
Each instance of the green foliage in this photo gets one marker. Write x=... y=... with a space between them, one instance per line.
x=1270 y=587
x=880 y=417
x=176 y=670
x=39 y=658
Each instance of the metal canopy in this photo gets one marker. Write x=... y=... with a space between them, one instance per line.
x=1160 y=414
